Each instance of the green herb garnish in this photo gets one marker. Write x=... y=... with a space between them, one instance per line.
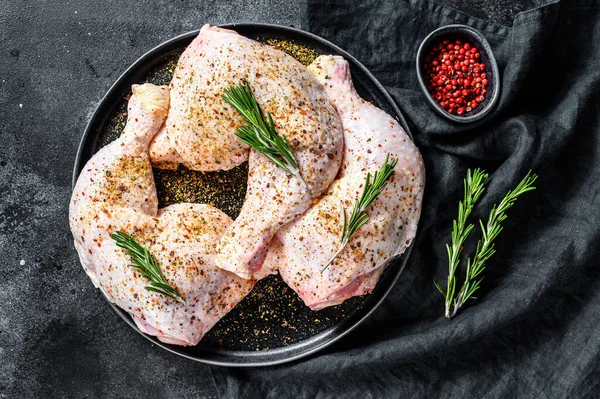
x=485 y=246
x=259 y=131
x=145 y=263
x=359 y=215
x=473 y=188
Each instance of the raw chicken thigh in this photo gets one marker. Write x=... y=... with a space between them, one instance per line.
x=302 y=249
x=116 y=191
x=200 y=129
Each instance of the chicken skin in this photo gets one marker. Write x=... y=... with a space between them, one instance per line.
x=200 y=128
x=115 y=192
x=302 y=249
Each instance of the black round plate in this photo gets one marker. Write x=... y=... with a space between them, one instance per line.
x=289 y=330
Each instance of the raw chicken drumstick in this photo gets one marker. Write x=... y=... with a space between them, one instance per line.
x=116 y=192
x=303 y=248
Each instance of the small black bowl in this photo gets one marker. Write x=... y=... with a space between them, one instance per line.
x=475 y=38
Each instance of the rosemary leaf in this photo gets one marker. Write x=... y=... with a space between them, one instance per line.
x=259 y=130
x=359 y=216
x=145 y=263
x=473 y=188
x=485 y=246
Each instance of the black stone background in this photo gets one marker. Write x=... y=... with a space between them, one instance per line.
x=58 y=336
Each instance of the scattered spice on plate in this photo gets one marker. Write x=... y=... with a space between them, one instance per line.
x=303 y=54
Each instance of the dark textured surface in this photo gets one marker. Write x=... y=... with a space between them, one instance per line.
x=58 y=337
x=500 y=12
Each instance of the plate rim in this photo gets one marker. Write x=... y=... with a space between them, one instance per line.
x=337 y=335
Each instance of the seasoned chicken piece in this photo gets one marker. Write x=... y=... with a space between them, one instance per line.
x=200 y=131
x=302 y=248
x=116 y=191
x=200 y=127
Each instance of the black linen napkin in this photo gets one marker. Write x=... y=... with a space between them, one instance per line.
x=535 y=331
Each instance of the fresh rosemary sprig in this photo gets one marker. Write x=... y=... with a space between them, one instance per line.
x=359 y=214
x=485 y=246
x=473 y=188
x=145 y=263
x=259 y=131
